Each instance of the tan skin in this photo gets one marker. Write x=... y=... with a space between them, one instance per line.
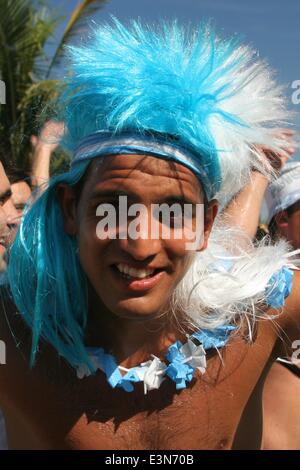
x=48 y=408
x=9 y=217
x=21 y=193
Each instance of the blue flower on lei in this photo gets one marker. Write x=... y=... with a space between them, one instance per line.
x=177 y=370
x=108 y=364
x=279 y=287
x=216 y=338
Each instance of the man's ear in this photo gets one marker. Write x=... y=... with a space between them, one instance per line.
x=210 y=215
x=282 y=223
x=67 y=199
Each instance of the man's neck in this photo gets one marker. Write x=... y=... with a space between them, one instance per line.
x=130 y=341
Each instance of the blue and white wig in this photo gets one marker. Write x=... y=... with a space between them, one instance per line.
x=177 y=94
x=212 y=96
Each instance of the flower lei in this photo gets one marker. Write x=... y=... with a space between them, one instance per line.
x=182 y=360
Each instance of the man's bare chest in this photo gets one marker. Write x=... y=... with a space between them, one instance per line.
x=160 y=421
x=88 y=414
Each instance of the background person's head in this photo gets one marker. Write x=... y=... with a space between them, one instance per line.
x=20 y=188
x=8 y=216
x=283 y=203
x=286 y=224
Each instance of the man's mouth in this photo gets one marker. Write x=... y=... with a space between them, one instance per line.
x=132 y=273
x=137 y=279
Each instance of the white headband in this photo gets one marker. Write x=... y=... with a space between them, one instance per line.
x=283 y=192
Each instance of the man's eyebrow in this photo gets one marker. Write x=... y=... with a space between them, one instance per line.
x=6 y=195
x=114 y=194
x=108 y=193
x=176 y=199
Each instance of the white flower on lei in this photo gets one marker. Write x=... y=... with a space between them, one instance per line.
x=152 y=373
x=194 y=355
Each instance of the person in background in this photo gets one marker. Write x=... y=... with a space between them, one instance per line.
x=282 y=388
x=23 y=182
x=43 y=148
x=281 y=422
x=283 y=203
x=20 y=188
x=9 y=219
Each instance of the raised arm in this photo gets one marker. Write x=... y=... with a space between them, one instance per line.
x=244 y=209
x=44 y=146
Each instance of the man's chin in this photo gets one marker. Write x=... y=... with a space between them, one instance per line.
x=135 y=309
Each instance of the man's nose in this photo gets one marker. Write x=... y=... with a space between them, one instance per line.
x=140 y=249
x=141 y=245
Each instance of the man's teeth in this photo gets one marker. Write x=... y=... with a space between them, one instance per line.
x=132 y=272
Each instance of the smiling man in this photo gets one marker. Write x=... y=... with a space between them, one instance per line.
x=133 y=277
x=123 y=333
x=165 y=259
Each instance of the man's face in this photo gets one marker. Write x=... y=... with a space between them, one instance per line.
x=21 y=193
x=8 y=215
x=145 y=180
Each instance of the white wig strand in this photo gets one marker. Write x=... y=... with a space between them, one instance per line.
x=227 y=282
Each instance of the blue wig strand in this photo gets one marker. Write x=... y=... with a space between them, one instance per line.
x=54 y=302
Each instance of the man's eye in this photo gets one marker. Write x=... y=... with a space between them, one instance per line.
x=113 y=203
x=171 y=216
x=20 y=207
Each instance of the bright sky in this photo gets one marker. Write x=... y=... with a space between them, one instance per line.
x=271 y=26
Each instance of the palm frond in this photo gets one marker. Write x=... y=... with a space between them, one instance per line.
x=84 y=10
x=23 y=33
x=25 y=28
